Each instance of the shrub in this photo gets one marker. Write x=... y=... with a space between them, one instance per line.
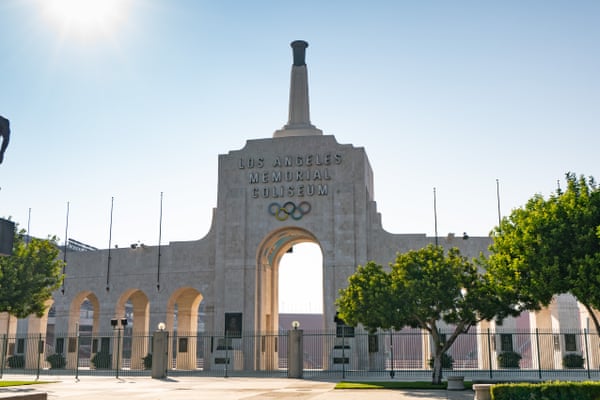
x=57 y=361
x=102 y=360
x=447 y=361
x=509 y=359
x=147 y=361
x=547 y=390
x=16 y=361
x=573 y=360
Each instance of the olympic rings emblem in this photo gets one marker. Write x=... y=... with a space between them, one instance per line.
x=289 y=209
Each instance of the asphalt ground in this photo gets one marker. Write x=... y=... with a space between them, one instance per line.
x=205 y=388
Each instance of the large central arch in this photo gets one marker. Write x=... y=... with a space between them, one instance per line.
x=269 y=254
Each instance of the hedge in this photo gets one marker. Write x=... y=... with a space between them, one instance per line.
x=547 y=390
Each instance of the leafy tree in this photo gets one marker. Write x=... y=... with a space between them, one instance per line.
x=29 y=276
x=552 y=246
x=368 y=300
x=422 y=288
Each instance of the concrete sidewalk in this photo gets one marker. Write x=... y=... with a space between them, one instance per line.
x=179 y=388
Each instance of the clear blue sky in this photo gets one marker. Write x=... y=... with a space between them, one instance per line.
x=445 y=94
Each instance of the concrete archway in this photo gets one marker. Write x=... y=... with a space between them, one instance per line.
x=80 y=321
x=269 y=255
x=187 y=300
x=140 y=317
x=75 y=314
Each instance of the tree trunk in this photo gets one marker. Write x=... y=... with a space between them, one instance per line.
x=436 y=379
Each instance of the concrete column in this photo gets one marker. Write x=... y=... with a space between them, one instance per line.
x=34 y=351
x=160 y=354
x=36 y=327
x=139 y=342
x=590 y=338
x=542 y=324
x=8 y=332
x=117 y=348
x=71 y=331
x=186 y=343
x=484 y=346
x=295 y=353
x=426 y=349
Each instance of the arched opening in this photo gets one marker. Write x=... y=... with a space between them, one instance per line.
x=271 y=254
x=182 y=323
x=301 y=287
x=84 y=319
x=130 y=326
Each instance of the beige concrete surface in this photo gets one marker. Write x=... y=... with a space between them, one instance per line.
x=180 y=388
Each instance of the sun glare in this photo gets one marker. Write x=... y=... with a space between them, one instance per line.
x=87 y=17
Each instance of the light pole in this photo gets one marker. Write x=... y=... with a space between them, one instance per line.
x=115 y=325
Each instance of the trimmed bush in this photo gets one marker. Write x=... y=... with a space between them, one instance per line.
x=16 y=361
x=548 y=390
x=102 y=360
x=447 y=361
x=509 y=359
x=147 y=361
x=573 y=360
x=57 y=361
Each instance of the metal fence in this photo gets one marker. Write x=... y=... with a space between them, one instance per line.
x=344 y=353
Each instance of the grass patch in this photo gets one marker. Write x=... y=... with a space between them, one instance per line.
x=19 y=383
x=396 y=385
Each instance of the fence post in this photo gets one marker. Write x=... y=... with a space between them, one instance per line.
x=4 y=345
x=40 y=352
x=539 y=359
x=489 y=351
x=344 y=351
x=77 y=350
x=226 y=354
x=392 y=373
x=587 y=355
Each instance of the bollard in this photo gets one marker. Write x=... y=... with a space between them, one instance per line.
x=295 y=353
x=160 y=354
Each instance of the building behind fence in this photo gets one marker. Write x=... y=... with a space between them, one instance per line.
x=345 y=352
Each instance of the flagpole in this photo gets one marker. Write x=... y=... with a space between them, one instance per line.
x=62 y=290
x=28 y=226
x=498 y=200
x=112 y=201
x=435 y=216
x=159 y=240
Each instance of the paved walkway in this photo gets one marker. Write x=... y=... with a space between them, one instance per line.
x=179 y=388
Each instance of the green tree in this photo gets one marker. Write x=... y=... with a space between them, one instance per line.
x=29 y=276
x=368 y=300
x=551 y=246
x=422 y=288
